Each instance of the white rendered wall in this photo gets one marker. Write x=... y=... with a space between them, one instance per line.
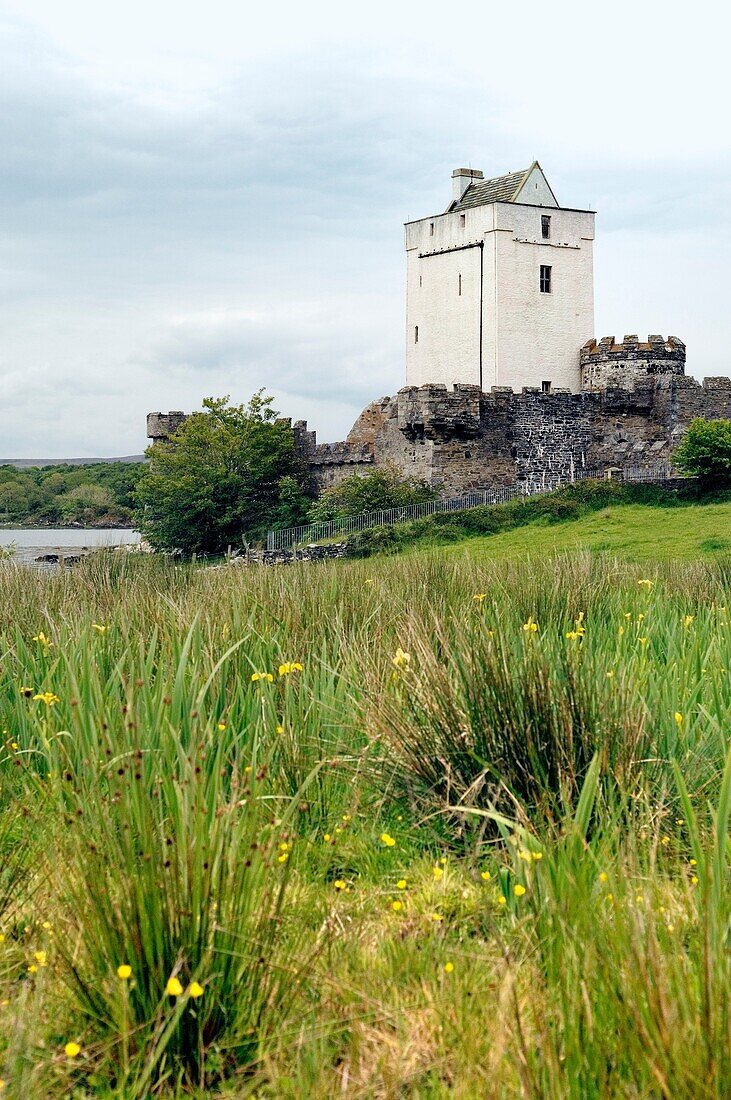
x=527 y=337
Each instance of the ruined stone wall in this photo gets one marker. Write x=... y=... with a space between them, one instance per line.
x=160 y=426
x=462 y=438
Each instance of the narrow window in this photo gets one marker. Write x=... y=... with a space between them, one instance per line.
x=546 y=387
x=545 y=227
x=462 y=220
x=420 y=280
x=416 y=334
x=460 y=286
x=431 y=229
x=545 y=279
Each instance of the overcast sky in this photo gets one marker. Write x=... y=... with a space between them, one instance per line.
x=200 y=199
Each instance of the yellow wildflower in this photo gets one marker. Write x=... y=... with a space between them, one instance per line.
x=71 y=1050
x=646 y=583
x=519 y=891
x=665 y=840
x=283 y=857
x=610 y=673
x=173 y=988
x=678 y=718
x=46 y=924
x=694 y=879
x=397 y=906
x=401 y=659
x=42 y=640
x=222 y=726
x=280 y=729
x=387 y=840
x=290 y=666
x=40 y=957
x=480 y=596
x=46 y=697
x=99 y=628
x=2 y=937
x=401 y=884
x=536 y=855
x=195 y=990
x=688 y=619
x=448 y=967
x=124 y=972
x=437 y=872
x=485 y=876
x=339 y=884
x=32 y=969
x=693 y=862
x=603 y=876
x=502 y=900
x=262 y=676
x=327 y=838
x=642 y=641
x=436 y=917
x=531 y=626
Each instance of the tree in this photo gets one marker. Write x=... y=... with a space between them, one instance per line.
x=383 y=487
x=225 y=474
x=706 y=452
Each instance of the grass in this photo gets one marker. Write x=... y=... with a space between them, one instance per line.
x=641 y=521
x=632 y=531
x=476 y=845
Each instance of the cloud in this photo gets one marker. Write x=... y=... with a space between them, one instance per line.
x=160 y=243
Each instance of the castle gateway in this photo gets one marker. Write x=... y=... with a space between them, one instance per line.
x=505 y=383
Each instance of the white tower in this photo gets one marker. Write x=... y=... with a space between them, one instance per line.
x=500 y=288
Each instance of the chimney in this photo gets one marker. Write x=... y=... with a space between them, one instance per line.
x=461 y=179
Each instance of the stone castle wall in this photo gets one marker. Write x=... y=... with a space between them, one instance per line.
x=634 y=406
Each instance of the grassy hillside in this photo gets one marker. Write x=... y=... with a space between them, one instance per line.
x=636 y=521
x=436 y=827
x=632 y=531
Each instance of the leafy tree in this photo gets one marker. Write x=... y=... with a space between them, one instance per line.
x=706 y=452
x=85 y=503
x=228 y=472
x=383 y=487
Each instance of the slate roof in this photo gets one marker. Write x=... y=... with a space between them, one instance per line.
x=500 y=189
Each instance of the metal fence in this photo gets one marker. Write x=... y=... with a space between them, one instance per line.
x=347 y=525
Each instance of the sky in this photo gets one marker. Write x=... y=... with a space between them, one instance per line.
x=204 y=199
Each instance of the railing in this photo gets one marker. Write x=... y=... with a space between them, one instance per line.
x=347 y=525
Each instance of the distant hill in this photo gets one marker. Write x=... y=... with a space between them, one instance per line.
x=27 y=463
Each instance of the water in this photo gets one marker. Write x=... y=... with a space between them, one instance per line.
x=31 y=543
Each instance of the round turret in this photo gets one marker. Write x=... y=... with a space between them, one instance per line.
x=607 y=365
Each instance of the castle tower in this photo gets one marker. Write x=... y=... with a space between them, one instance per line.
x=499 y=288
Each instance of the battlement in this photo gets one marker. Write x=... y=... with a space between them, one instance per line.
x=432 y=411
x=607 y=347
x=160 y=426
x=632 y=363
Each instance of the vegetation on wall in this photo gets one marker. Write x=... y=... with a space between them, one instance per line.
x=99 y=494
x=705 y=451
x=382 y=487
x=225 y=475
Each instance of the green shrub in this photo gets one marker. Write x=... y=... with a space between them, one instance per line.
x=705 y=451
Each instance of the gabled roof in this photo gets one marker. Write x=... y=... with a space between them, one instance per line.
x=500 y=189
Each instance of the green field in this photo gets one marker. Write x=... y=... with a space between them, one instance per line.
x=633 y=531
x=446 y=824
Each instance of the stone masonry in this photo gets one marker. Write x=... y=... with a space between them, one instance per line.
x=633 y=408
